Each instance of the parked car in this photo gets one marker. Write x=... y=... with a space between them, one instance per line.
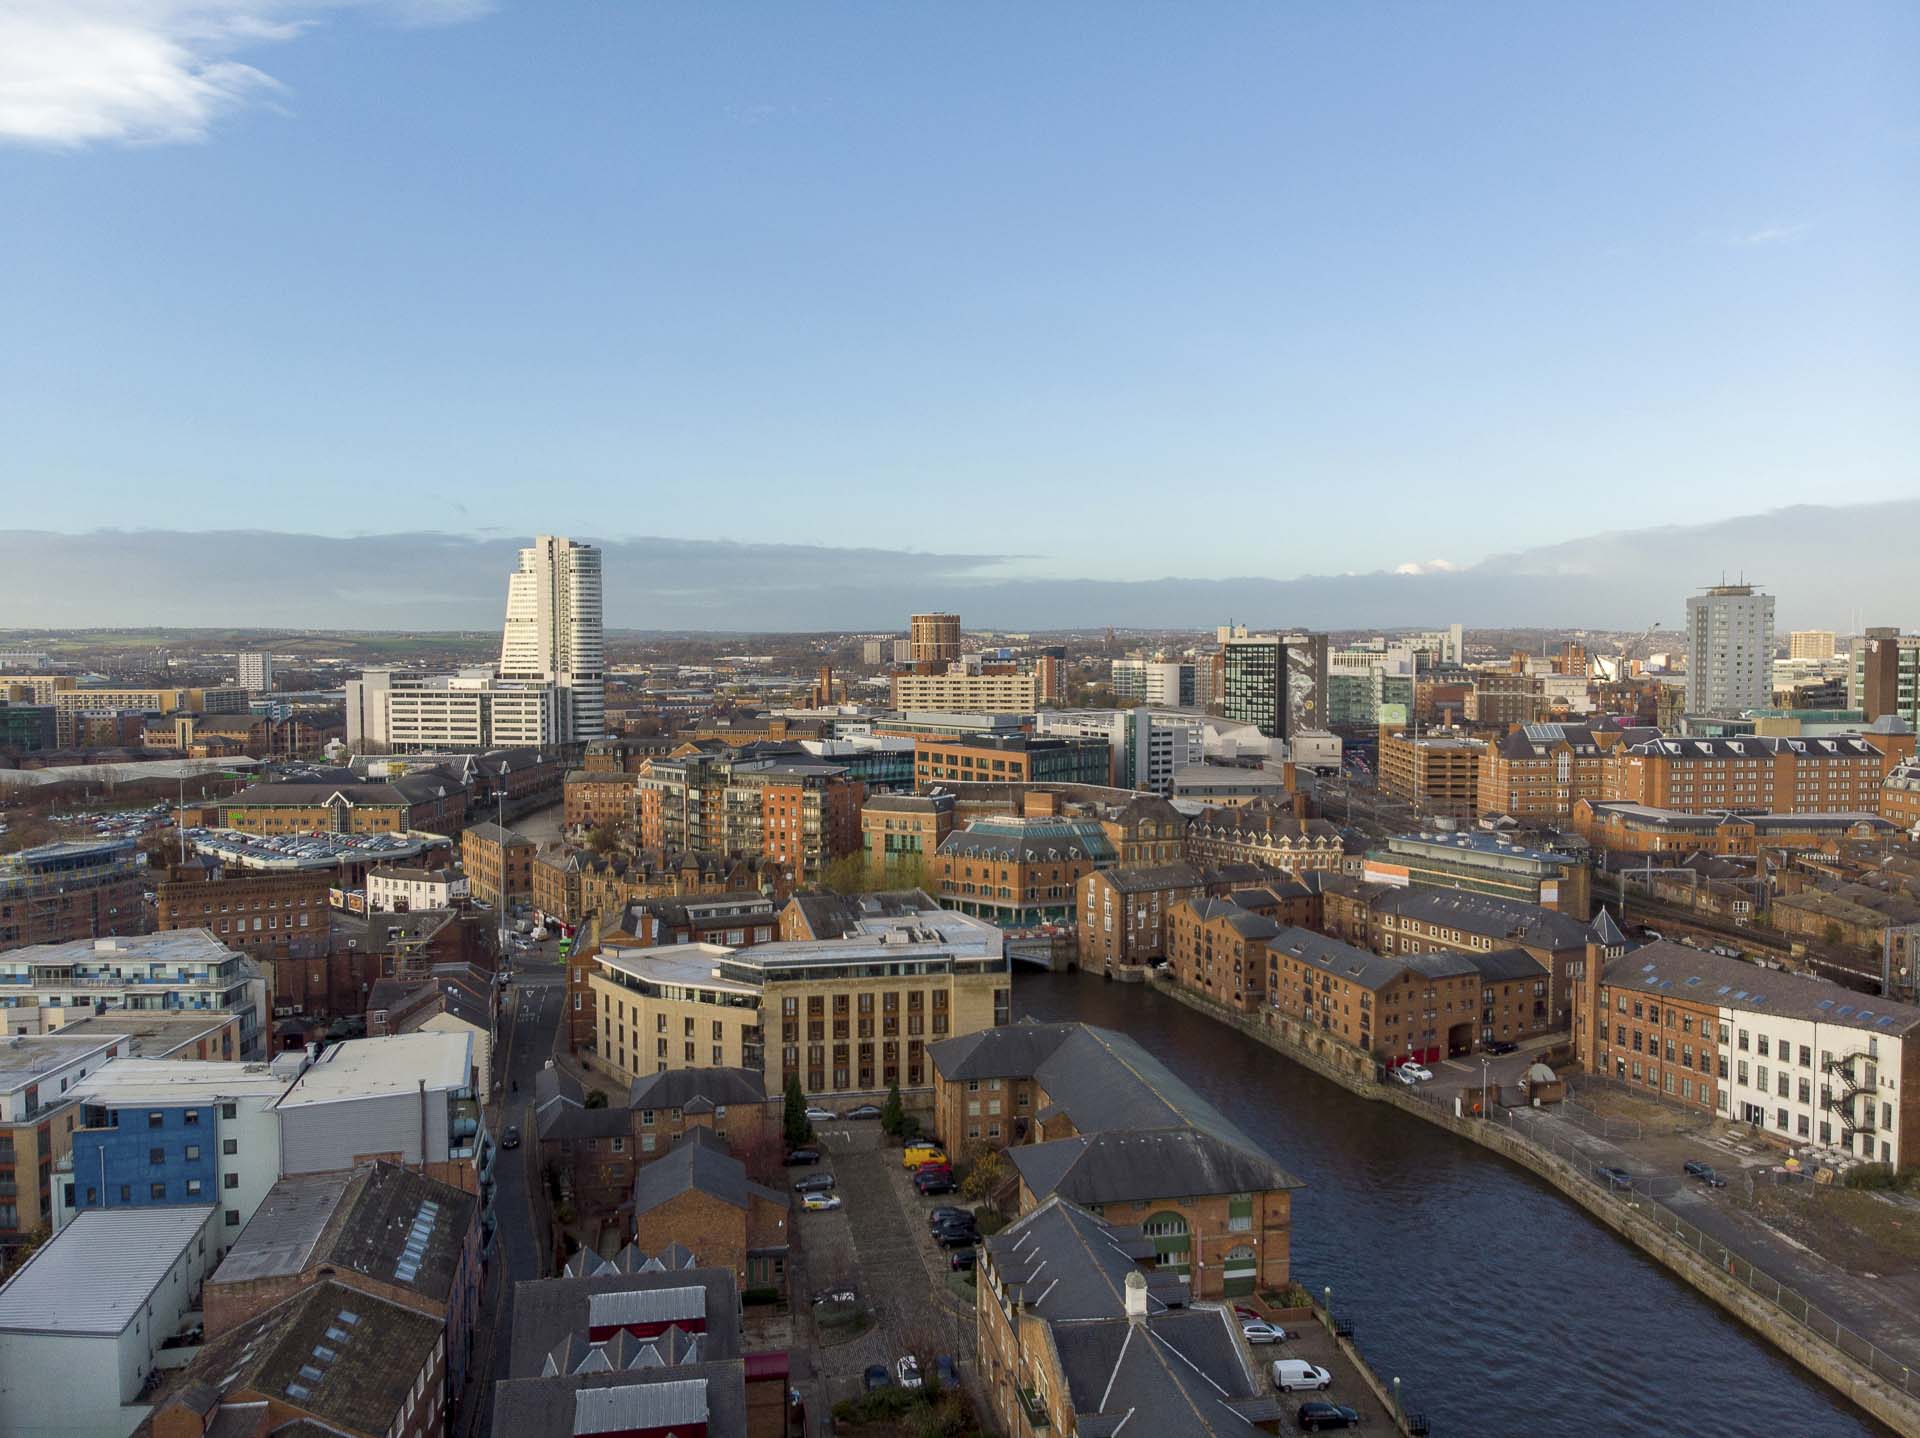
x=1705 y=1172
x=510 y=1137
x=1400 y=1075
x=1618 y=1177
x=908 y=1371
x=1318 y=1417
x=931 y=1183
x=956 y=1237
x=1295 y=1375
x=1248 y=1315
x=819 y=1202
x=862 y=1111
x=962 y=1260
x=803 y=1157
x=947 y=1371
x=1503 y=1046
x=821 y=1115
x=917 y=1154
x=814 y=1183
x=936 y=1216
x=878 y=1377
x=836 y=1295
x=1419 y=1071
x=1258 y=1330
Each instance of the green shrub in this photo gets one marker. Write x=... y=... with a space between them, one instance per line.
x=1872 y=1176
x=988 y=1219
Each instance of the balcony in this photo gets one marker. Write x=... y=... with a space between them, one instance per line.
x=1033 y=1408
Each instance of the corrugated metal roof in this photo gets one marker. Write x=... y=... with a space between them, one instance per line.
x=97 y=1273
x=646 y=1305
x=639 y=1405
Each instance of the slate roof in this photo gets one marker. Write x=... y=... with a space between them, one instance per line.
x=1030 y=841
x=382 y=1220
x=407 y=789
x=583 y=1404
x=838 y=916
x=1064 y=1262
x=1118 y=1166
x=680 y=1088
x=1503 y=965
x=1704 y=978
x=1180 y=1372
x=698 y=1161
x=356 y=1372
x=560 y=1115
x=1369 y=970
x=548 y=1311
x=1146 y=879
x=1486 y=915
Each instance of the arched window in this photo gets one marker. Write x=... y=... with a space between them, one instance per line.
x=1242 y=1269
x=1172 y=1243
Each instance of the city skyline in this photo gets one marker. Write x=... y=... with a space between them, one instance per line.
x=1839 y=567
x=1478 y=277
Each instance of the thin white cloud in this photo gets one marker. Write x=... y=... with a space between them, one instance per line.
x=83 y=72
x=1772 y=235
x=1427 y=566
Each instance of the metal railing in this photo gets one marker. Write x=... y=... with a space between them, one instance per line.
x=1643 y=1195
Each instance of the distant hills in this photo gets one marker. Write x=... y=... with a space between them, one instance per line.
x=1831 y=566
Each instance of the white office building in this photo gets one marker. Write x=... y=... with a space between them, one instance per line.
x=1148 y=745
x=469 y=710
x=553 y=632
x=1729 y=650
x=256 y=672
x=83 y=1322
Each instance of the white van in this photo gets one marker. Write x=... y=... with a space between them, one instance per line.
x=1295 y=1375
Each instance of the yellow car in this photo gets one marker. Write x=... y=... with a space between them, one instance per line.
x=922 y=1153
x=820 y=1202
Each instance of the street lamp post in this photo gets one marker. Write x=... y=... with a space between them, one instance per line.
x=1485 y=1064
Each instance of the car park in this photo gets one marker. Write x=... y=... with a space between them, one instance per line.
x=907 y=1369
x=1258 y=1330
x=936 y=1216
x=814 y=1183
x=1705 y=1172
x=962 y=1260
x=862 y=1111
x=821 y=1115
x=1322 y=1417
x=803 y=1157
x=1296 y=1375
x=877 y=1377
x=819 y=1202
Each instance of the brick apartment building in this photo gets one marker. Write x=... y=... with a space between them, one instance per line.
x=904 y=830
x=271 y=915
x=1843 y=774
x=1537 y=772
x=1010 y=758
x=1018 y=872
x=1124 y=913
x=73 y=889
x=499 y=864
x=1270 y=835
x=1087 y=1115
x=1628 y=828
x=1439 y=774
x=431 y=802
x=699 y=1196
x=594 y=798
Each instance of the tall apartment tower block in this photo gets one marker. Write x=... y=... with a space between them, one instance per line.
x=935 y=638
x=256 y=672
x=1729 y=650
x=553 y=632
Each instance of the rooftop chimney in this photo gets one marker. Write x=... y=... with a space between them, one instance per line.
x=1136 y=1296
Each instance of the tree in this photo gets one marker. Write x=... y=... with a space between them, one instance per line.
x=892 y=1115
x=989 y=1171
x=596 y=1098
x=797 y=1128
x=846 y=874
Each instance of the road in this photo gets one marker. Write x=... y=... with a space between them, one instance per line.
x=527 y=1034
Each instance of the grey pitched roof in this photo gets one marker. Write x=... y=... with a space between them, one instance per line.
x=697 y=1161
x=1369 y=970
x=676 y=1088
x=1683 y=973
x=1503 y=965
x=1146 y=878
x=1180 y=1372
x=560 y=1115
x=1011 y=1050
x=1118 y=1166
x=1065 y=1263
x=1605 y=932
x=1487 y=916
x=580 y=1404
x=546 y=1311
x=835 y=916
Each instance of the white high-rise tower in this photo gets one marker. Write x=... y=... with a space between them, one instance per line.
x=1729 y=650
x=553 y=632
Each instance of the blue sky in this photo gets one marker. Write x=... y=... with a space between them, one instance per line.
x=1123 y=290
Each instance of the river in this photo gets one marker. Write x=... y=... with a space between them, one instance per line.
x=1504 y=1309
